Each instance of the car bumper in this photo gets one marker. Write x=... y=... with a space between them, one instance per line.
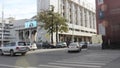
x=21 y=51
x=73 y=49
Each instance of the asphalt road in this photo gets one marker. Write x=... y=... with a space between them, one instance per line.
x=60 y=58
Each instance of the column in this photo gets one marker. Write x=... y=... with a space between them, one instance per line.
x=83 y=17
x=78 y=15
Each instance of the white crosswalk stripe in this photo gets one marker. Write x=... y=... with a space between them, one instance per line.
x=10 y=66
x=31 y=67
x=83 y=63
x=68 y=64
x=53 y=66
x=78 y=65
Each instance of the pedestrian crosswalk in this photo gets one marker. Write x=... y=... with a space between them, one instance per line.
x=69 y=64
x=75 y=62
x=53 y=66
x=66 y=63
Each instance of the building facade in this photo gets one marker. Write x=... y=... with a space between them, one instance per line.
x=108 y=22
x=5 y=30
x=24 y=30
x=81 y=18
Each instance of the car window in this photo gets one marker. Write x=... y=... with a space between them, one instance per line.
x=12 y=44
x=28 y=44
x=82 y=42
x=73 y=44
x=6 y=45
x=21 y=44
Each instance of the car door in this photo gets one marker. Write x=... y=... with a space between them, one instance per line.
x=5 y=48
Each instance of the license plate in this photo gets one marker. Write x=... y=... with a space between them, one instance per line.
x=23 y=48
x=72 y=47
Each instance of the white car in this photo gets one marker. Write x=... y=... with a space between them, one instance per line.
x=13 y=48
x=31 y=46
x=74 y=47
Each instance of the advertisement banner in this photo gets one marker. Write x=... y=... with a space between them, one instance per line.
x=30 y=24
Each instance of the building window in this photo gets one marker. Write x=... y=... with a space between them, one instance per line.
x=100 y=2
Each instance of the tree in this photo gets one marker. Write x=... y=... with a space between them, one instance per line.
x=60 y=24
x=53 y=22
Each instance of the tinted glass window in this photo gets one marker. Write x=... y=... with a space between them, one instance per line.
x=28 y=44
x=6 y=45
x=12 y=44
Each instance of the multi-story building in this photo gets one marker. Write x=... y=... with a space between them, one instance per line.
x=108 y=22
x=5 y=30
x=24 y=30
x=81 y=18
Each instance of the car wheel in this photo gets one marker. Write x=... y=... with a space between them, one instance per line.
x=69 y=51
x=28 y=49
x=11 y=53
x=23 y=53
x=1 y=53
x=80 y=49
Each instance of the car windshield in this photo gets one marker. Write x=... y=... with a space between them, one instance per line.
x=73 y=44
x=28 y=44
x=82 y=42
x=60 y=43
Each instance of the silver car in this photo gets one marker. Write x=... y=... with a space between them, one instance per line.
x=74 y=47
x=31 y=46
x=13 y=48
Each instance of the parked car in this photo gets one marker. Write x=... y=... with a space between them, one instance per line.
x=74 y=47
x=47 y=45
x=13 y=48
x=84 y=44
x=39 y=45
x=31 y=46
x=61 y=45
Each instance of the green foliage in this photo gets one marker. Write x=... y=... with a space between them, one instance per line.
x=52 y=21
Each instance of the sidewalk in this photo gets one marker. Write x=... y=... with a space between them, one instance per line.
x=94 y=46
x=46 y=50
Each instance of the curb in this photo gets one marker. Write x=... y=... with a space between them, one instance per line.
x=45 y=50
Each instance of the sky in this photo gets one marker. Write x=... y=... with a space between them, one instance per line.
x=19 y=9
x=22 y=9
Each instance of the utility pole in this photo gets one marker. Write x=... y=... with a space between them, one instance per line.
x=2 y=41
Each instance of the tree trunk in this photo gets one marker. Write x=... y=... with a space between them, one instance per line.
x=52 y=35
x=56 y=37
x=56 y=34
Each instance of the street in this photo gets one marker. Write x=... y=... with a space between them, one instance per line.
x=87 y=58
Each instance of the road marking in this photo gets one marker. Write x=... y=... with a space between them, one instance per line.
x=30 y=67
x=91 y=66
x=82 y=63
x=53 y=66
x=11 y=66
x=4 y=65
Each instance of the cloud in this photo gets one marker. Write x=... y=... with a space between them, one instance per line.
x=19 y=8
